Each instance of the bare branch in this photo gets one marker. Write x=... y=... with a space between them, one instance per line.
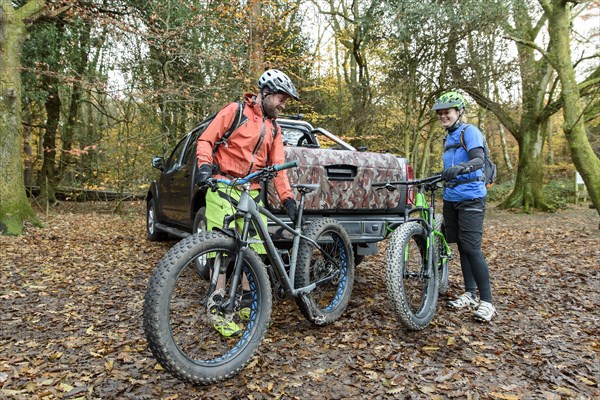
x=534 y=46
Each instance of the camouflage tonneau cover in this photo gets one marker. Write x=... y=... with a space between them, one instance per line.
x=345 y=178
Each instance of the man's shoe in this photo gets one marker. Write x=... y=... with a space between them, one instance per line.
x=246 y=306
x=244 y=314
x=485 y=312
x=228 y=329
x=465 y=300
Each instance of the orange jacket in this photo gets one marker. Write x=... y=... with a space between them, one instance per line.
x=243 y=154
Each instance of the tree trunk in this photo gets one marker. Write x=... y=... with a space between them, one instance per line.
x=582 y=154
x=14 y=205
x=505 y=154
x=49 y=179
x=256 y=55
x=528 y=192
x=424 y=164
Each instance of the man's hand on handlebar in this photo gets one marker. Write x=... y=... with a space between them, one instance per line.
x=203 y=175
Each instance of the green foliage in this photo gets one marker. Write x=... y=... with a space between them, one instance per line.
x=500 y=191
x=560 y=192
x=176 y=62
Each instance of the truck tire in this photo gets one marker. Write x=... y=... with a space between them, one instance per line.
x=152 y=234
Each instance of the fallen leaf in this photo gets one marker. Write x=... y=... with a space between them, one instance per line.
x=586 y=380
x=65 y=387
x=504 y=396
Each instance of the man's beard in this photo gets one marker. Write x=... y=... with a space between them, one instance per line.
x=270 y=111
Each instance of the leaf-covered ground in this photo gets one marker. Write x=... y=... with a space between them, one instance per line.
x=72 y=296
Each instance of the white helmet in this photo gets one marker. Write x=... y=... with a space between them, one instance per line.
x=275 y=81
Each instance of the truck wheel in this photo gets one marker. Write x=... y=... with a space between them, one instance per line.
x=201 y=263
x=152 y=233
x=357 y=258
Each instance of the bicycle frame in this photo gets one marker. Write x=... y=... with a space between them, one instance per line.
x=427 y=213
x=250 y=211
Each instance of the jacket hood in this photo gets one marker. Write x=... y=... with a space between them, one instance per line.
x=250 y=100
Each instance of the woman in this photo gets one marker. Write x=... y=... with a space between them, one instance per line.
x=464 y=203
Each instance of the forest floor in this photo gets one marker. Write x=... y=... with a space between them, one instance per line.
x=72 y=296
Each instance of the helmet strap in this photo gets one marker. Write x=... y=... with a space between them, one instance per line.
x=458 y=122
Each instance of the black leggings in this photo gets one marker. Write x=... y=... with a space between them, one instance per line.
x=464 y=226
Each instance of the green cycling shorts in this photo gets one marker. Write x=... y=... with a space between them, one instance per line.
x=218 y=206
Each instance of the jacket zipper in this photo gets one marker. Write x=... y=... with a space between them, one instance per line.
x=258 y=144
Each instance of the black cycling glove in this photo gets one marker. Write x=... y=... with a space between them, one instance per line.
x=203 y=174
x=452 y=172
x=291 y=208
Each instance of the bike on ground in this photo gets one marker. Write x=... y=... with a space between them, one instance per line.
x=182 y=299
x=417 y=256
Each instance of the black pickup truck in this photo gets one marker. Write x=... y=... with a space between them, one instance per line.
x=175 y=205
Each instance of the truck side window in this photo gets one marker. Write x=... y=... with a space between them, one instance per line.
x=175 y=159
x=189 y=151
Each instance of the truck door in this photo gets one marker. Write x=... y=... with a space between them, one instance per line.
x=175 y=184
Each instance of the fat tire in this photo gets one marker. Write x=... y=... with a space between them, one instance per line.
x=395 y=267
x=152 y=234
x=443 y=267
x=311 y=309
x=157 y=307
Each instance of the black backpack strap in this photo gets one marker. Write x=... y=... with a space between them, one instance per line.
x=237 y=121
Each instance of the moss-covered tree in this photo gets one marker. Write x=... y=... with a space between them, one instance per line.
x=14 y=205
x=559 y=54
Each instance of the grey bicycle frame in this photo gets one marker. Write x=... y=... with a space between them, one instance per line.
x=252 y=212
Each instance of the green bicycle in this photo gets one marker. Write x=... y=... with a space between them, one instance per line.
x=417 y=257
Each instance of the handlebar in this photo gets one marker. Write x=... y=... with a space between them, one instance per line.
x=289 y=164
x=416 y=182
x=270 y=171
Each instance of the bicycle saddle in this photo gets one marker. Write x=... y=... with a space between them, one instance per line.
x=306 y=187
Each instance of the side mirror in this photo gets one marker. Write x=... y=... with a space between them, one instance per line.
x=158 y=162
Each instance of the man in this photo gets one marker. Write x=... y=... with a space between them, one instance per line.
x=254 y=144
x=464 y=203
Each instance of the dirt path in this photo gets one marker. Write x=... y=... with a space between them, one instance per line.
x=71 y=326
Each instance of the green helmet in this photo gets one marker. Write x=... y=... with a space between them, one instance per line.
x=450 y=100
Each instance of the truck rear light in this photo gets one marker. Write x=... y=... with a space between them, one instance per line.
x=410 y=190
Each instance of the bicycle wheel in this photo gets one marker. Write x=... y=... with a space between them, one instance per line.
x=413 y=290
x=179 y=311
x=332 y=269
x=441 y=258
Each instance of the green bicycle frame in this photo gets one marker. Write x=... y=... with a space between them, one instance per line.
x=421 y=204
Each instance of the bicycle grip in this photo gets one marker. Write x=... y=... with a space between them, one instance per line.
x=289 y=164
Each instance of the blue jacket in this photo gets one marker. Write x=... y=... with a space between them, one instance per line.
x=473 y=190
